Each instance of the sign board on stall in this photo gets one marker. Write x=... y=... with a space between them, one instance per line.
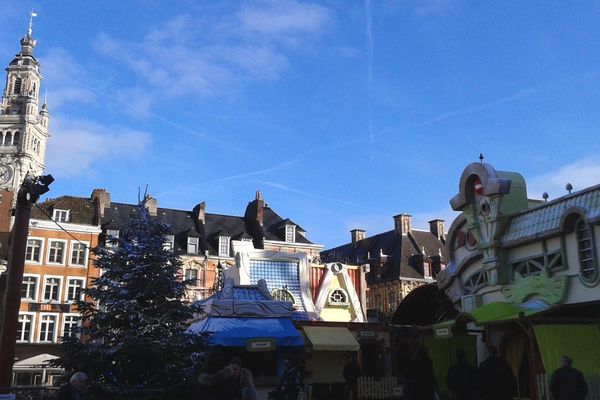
x=398 y=391
x=443 y=332
x=260 y=344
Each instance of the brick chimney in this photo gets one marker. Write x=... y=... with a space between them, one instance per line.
x=200 y=213
x=259 y=204
x=152 y=205
x=402 y=223
x=436 y=227
x=102 y=200
x=357 y=235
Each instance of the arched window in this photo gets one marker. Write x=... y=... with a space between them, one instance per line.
x=7 y=138
x=586 y=251
x=338 y=297
x=15 y=138
x=282 y=295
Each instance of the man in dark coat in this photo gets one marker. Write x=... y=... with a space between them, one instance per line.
x=423 y=385
x=567 y=382
x=462 y=378
x=496 y=380
x=75 y=389
x=351 y=373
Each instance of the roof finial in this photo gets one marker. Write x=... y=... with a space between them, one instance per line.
x=31 y=15
x=481 y=157
x=569 y=187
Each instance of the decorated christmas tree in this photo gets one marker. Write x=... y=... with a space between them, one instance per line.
x=134 y=318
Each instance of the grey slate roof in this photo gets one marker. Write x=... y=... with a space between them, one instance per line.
x=546 y=218
x=402 y=254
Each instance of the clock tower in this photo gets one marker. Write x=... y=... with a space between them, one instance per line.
x=23 y=130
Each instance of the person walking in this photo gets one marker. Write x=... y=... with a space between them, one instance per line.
x=75 y=389
x=462 y=378
x=241 y=380
x=292 y=381
x=568 y=383
x=423 y=377
x=496 y=380
x=351 y=373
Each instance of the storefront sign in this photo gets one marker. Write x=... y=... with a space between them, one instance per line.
x=443 y=332
x=260 y=345
x=367 y=334
x=397 y=391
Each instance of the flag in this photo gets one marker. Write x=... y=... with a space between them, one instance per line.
x=33 y=14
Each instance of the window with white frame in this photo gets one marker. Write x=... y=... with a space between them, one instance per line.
x=224 y=245
x=168 y=243
x=290 y=233
x=586 y=250
x=191 y=275
x=70 y=322
x=48 y=327
x=74 y=289
x=52 y=289
x=192 y=245
x=60 y=215
x=338 y=297
x=56 y=252
x=78 y=254
x=33 y=251
x=29 y=287
x=24 y=324
x=283 y=295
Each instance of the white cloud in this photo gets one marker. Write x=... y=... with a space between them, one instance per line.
x=581 y=174
x=89 y=144
x=252 y=44
x=64 y=79
x=277 y=18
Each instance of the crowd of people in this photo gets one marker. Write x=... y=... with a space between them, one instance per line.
x=493 y=380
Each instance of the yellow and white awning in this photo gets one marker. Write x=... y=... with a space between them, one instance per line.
x=331 y=338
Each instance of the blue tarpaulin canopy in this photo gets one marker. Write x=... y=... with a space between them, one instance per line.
x=235 y=332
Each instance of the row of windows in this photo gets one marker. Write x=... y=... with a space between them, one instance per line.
x=46 y=327
x=52 y=288
x=57 y=252
x=10 y=138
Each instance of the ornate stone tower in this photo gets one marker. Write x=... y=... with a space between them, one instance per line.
x=23 y=129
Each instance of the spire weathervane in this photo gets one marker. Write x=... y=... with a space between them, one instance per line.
x=481 y=157
x=31 y=15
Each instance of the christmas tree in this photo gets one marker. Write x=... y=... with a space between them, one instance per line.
x=134 y=317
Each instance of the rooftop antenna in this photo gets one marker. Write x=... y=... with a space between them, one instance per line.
x=545 y=196
x=481 y=158
x=31 y=15
x=569 y=187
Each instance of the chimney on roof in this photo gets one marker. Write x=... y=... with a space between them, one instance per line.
x=259 y=207
x=402 y=223
x=436 y=227
x=151 y=204
x=357 y=235
x=102 y=200
x=199 y=212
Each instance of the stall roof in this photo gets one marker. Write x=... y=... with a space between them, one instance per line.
x=331 y=338
x=39 y=361
x=236 y=331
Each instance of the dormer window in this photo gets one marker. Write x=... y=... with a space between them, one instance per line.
x=586 y=251
x=192 y=245
x=283 y=295
x=60 y=215
x=224 y=246
x=290 y=233
x=168 y=243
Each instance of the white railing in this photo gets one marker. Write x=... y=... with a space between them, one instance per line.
x=379 y=388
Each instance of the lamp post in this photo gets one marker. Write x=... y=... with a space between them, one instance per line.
x=29 y=192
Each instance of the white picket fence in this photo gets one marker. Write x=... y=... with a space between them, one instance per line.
x=593 y=382
x=379 y=388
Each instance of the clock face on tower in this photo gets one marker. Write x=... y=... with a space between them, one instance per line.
x=6 y=174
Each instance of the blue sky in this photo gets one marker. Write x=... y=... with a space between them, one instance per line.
x=342 y=113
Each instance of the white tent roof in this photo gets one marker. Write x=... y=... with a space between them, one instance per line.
x=41 y=360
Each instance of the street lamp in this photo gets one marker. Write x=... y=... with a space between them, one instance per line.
x=30 y=191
